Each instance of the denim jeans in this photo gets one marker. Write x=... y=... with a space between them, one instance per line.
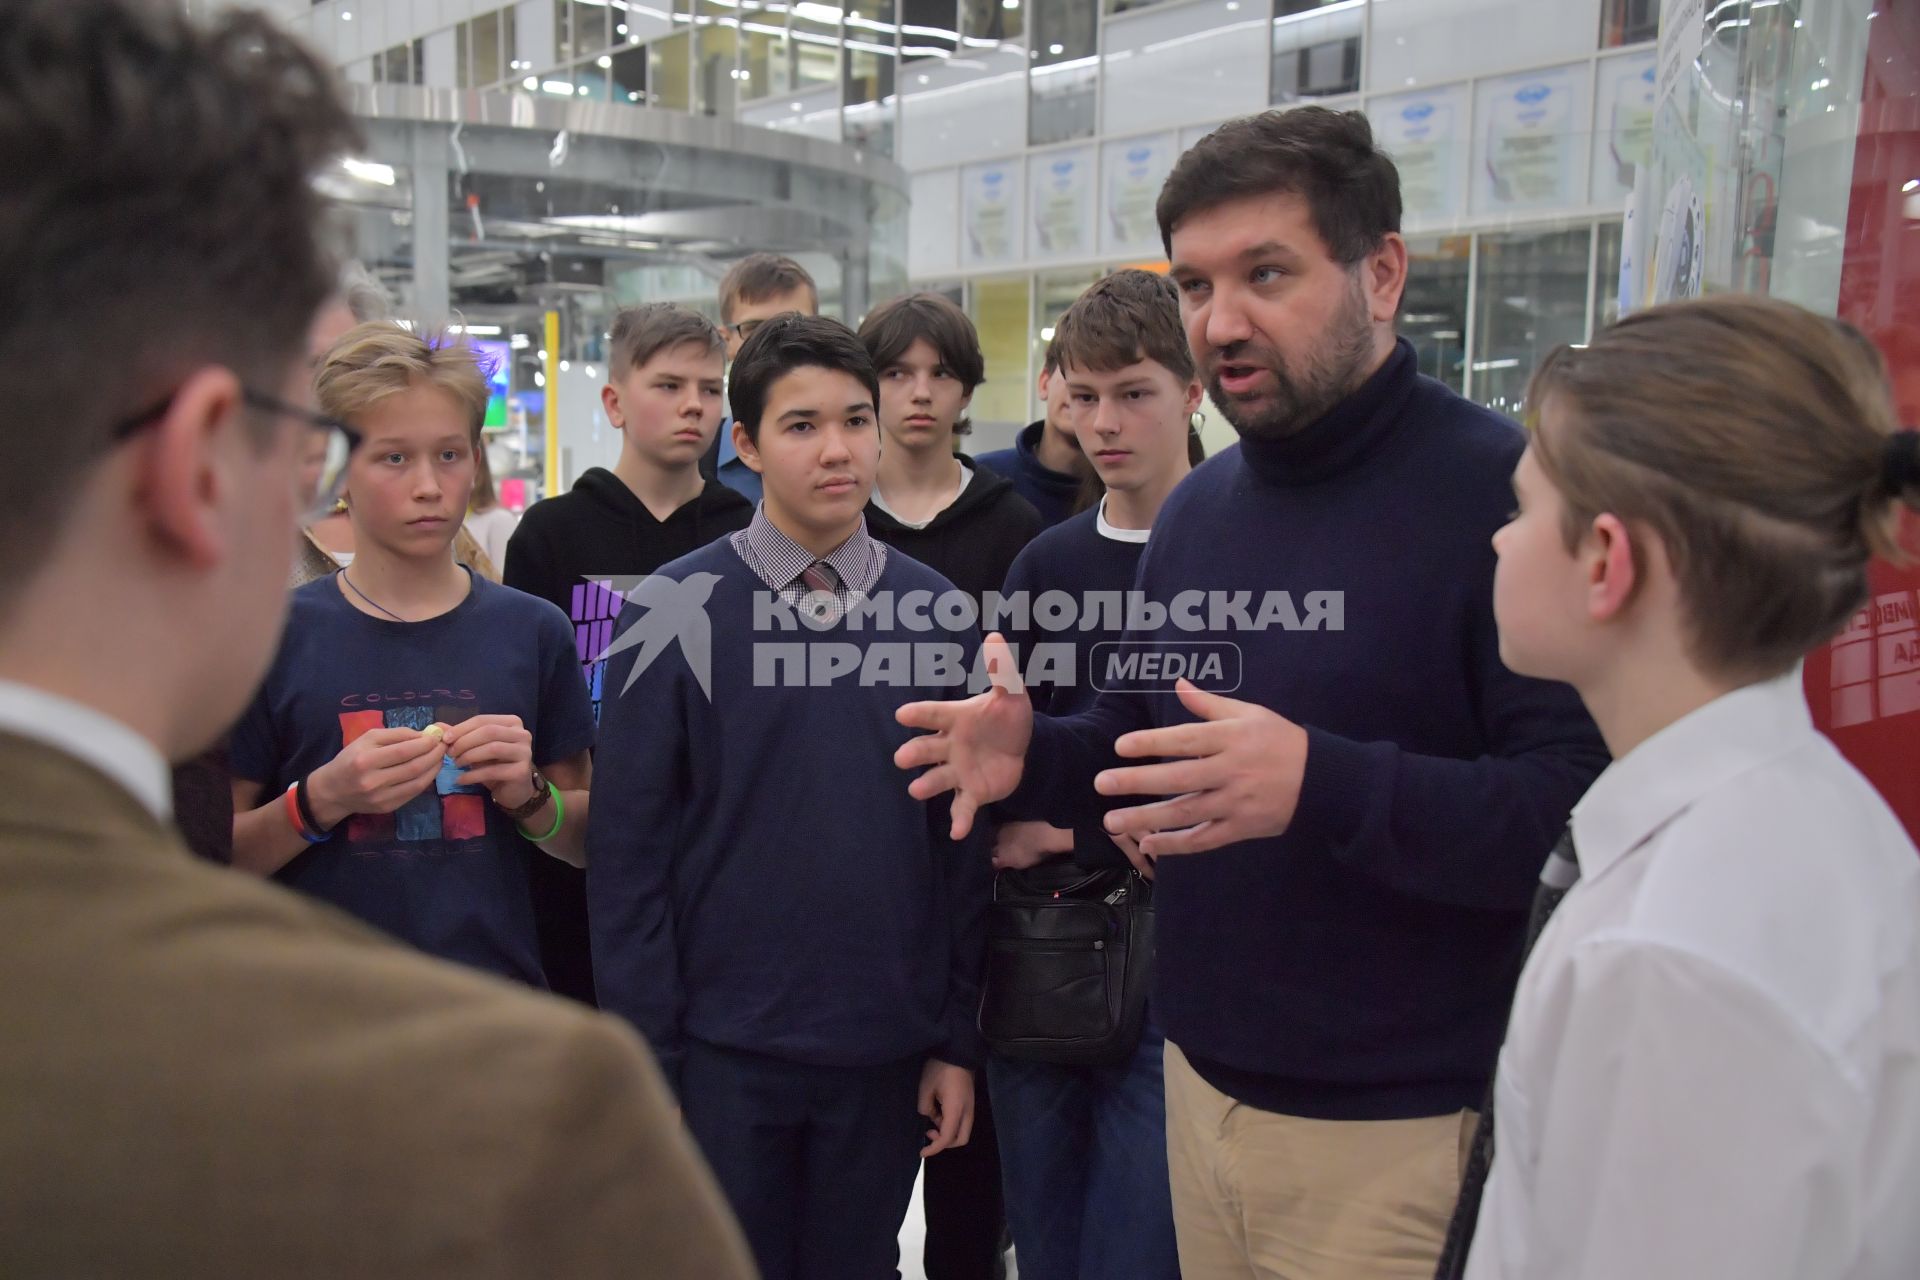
x=1083 y=1155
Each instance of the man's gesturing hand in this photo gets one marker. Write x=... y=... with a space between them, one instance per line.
x=1237 y=777
x=977 y=747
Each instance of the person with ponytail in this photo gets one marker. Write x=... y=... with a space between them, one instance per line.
x=1712 y=1065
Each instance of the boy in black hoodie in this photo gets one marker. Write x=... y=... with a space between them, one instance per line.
x=582 y=549
x=967 y=524
x=964 y=522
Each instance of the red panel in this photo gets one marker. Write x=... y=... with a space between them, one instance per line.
x=1864 y=688
x=463 y=817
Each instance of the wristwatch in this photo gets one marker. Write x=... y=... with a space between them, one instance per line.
x=542 y=796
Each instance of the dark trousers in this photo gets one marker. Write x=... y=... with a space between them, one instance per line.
x=817 y=1162
x=966 y=1214
x=1085 y=1153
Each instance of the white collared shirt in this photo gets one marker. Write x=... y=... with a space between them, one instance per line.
x=1712 y=1070
x=93 y=739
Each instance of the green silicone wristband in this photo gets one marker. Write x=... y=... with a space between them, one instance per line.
x=559 y=817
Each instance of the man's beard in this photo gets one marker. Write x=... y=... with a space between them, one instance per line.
x=1328 y=373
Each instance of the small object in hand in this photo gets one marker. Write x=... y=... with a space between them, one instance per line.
x=435 y=731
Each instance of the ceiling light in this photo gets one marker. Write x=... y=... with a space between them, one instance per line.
x=604 y=62
x=539 y=378
x=1009 y=4
x=1913 y=185
x=557 y=86
x=531 y=83
x=345 y=16
x=1056 y=49
x=369 y=171
x=475 y=330
x=632 y=96
x=520 y=342
x=591 y=373
x=566 y=365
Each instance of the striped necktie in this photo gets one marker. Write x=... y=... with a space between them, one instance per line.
x=1558 y=876
x=819 y=576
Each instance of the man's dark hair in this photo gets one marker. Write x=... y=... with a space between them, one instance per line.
x=643 y=332
x=760 y=276
x=892 y=327
x=790 y=342
x=1325 y=157
x=158 y=216
x=1127 y=316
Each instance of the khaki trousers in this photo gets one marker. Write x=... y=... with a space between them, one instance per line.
x=1259 y=1196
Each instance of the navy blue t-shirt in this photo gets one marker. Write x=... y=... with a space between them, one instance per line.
x=448 y=871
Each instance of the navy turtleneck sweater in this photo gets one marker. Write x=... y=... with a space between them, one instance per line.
x=1358 y=966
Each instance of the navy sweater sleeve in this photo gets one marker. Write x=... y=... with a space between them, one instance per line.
x=633 y=832
x=1470 y=833
x=968 y=869
x=1033 y=573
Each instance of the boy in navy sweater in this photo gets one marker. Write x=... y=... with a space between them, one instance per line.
x=800 y=942
x=1368 y=813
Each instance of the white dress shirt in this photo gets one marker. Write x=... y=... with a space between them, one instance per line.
x=91 y=738
x=1712 y=1070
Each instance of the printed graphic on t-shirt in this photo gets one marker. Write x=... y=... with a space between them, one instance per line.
x=446 y=814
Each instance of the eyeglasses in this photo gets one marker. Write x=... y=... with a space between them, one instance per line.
x=324 y=463
x=746 y=327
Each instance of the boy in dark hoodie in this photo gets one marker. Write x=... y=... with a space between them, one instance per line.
x=1045 y=465
x=967 y=524
x=962 y=521
x=582 y=549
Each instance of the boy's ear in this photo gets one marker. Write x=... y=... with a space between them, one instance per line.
x=749 y=452
x=1614 y=567
x=1194 y=393
x=610 y=401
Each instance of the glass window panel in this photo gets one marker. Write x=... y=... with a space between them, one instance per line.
x=418 y=62
x=629 y=77
x=462 y=56
x=1433 y=310
x=590 y=79
x=1629 y=22
x=766 y=56
x=668 y=81
x=1053 y=293
x=870 y=51
x=1191 y=62
x=1316 y=48
x=484 y=49
x=1418 y=42
x=1606 y=276
x=716 y=51
x=999 y=309
x=509 y=57
x=1065 y=71
x=988 y=22
x=579 y=28
x=816 y=44
x=963 y=109
x=1530 y=298
x=929 y=29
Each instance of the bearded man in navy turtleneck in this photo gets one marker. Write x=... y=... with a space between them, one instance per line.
x=1344 y=869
